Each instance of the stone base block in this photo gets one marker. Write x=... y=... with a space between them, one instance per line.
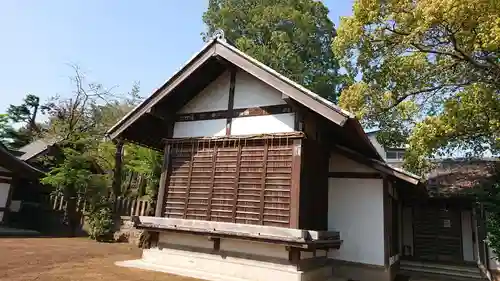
x=216 y=267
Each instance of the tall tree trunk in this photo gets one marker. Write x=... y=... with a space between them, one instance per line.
x=117 y=173
x=70 y=213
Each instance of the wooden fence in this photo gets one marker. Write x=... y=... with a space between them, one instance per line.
x=122 y=206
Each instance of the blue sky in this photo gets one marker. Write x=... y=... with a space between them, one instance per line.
x=114 y=42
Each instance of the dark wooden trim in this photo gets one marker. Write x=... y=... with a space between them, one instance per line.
x=188 y=185
x=263 y=182
x=234 y=113
x=216 y=243
x=230 y=102
x=6 y=174
x=295 y=192
x=336 y=262
x=160 y=201
x=294 y=256
x=375 y=164
x=280 y=83
x=307 y=244
x=236 y=182
x=212 y=183
x=354 y=175
x=4 y=180
x=6 y=213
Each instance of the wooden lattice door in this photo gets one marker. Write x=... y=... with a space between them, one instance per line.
x=437 y=233
x=241 y=181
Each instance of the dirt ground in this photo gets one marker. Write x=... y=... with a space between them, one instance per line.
x=74 y=259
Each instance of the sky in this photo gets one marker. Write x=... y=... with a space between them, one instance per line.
x=114 y=42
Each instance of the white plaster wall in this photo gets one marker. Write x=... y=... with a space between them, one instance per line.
x=248 y=247
x=251 y=92
x=4 y=193
x=407 y=226
x=340 y=163
x=202 y=128
x=356 y=209
x=214 y=97
x=278 y=123
x=467 y=241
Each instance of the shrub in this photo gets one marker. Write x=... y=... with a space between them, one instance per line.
x=100 y=221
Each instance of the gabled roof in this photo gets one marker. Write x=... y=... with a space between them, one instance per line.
x=211 y=59
x=380 y=166
x=16 y=165
x=35 y=148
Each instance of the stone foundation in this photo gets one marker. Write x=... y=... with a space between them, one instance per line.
x=232 y=260
x=126 y=232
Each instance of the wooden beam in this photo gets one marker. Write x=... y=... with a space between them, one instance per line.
x=240 y=112
x=4 y=180
x=163 y=91
x=283 y=85
x=354 y=175
x=6 y=174
x=160 y=201
x=6 y=213
x=230 y=103
x=295 y=192
x=294 y=256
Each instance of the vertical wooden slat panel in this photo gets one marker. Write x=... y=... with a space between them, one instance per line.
x=236 y=183
x=241 y=181
x=189 y=179
x=212 y=183
x=263 y=182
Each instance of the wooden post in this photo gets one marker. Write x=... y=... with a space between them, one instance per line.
x=116 y=186
x=159 y=212
x=295 y=192
x=230 y=104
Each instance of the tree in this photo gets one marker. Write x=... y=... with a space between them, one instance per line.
x=5 y=129
x=291 y=36
x=430 y=74
x=25 y=114
x=79 y=123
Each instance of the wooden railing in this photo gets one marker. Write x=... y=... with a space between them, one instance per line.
x=122 y=206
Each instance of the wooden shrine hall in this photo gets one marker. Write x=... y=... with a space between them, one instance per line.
x=262 y=179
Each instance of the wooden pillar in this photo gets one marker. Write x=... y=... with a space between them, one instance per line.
x=117 y=172
x=230 y=104
x=160 y=201
x=295 y=194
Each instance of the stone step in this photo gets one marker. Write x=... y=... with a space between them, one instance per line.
x=440 y=274
x=454 y=268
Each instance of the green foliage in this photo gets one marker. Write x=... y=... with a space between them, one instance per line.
x=430 y=74
x=488 y=194
x=291 y=36
x=25 y=115
x=100 y=220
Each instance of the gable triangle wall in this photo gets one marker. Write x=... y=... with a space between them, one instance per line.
x=258 y=109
